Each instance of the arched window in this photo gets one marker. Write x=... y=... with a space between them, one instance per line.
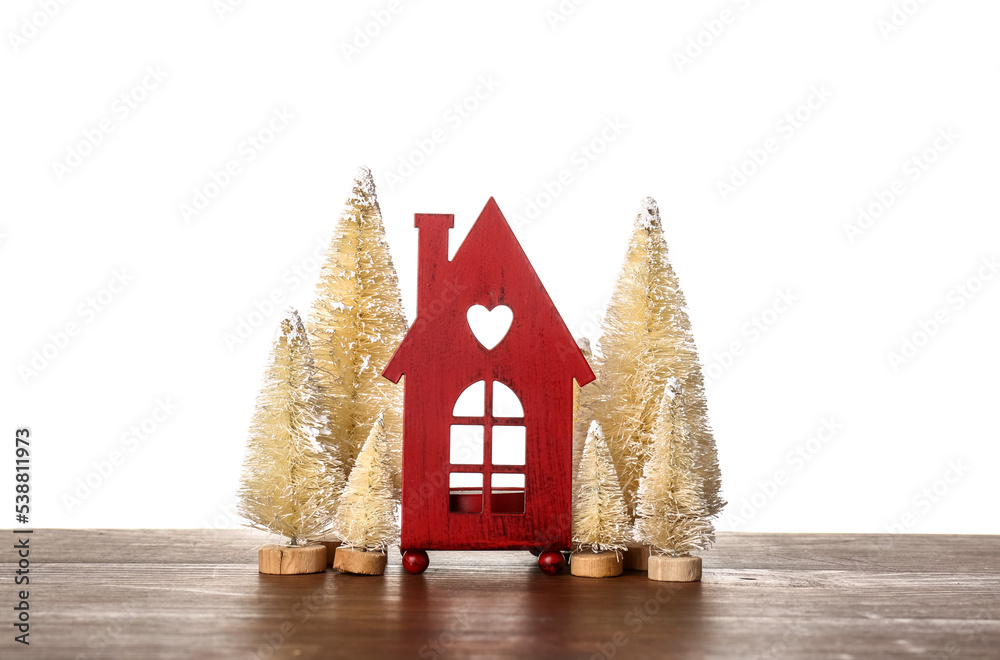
x=487 y=423
x=505 y=402
x=471 y=402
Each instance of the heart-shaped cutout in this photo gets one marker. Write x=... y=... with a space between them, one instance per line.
x=489 y=325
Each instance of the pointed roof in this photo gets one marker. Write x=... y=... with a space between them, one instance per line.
x=491 y=232
x=491 y=235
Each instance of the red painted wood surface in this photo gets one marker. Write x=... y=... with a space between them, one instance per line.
x=538 y=359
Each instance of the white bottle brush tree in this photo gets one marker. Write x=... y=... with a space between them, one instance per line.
x=646 y=340
x=356 y=323
x=672 y=514
x=366 y=516
x=600 y=517
x=289 y=486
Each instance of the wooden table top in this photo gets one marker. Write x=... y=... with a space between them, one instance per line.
x=197 y=594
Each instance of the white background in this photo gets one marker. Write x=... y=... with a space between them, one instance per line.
x=553 y=86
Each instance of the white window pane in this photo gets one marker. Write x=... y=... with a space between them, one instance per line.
x=507 y=481
x=505 y=402
x=470 y=403
x=466 y=445
x=465 y=480
x=508 y=445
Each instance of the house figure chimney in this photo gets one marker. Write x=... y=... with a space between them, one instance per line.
x=432 y=256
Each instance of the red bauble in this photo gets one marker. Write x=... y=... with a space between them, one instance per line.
x=416 y=561
x=551 y=562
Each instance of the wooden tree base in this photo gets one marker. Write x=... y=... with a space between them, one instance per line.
x=674 y=569
x=291 y=559
x=636 y=558
x=595 y=564
x=359 y=562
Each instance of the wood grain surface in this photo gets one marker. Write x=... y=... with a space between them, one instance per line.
x=197 y=594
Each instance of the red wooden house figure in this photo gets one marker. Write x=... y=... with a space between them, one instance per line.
x=487 y=429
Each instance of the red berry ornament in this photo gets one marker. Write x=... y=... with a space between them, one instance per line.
x=551 y=562
x=415 y=561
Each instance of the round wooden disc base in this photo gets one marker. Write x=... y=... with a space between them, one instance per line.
x=636 y=558
x=291 y=559
x=674 y=569
x=595 y=564
x=349 y=560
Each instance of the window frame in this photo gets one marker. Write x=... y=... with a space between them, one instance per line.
x=488 y=468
